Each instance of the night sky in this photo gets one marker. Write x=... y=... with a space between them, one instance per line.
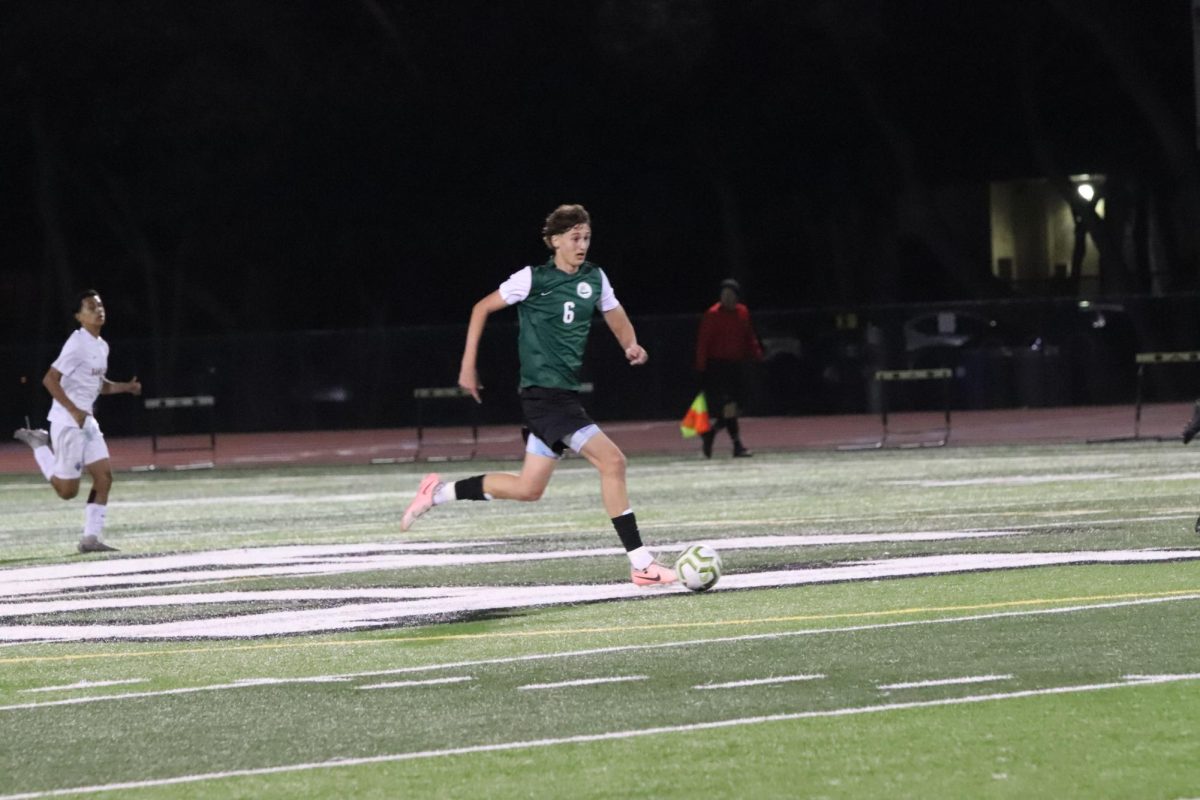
x=245 y=165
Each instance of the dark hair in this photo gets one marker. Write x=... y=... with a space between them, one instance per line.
x=731 y=283
x=84 y=295
x=562 y=219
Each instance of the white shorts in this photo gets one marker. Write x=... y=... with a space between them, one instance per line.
x=576 y=442
x=75 y=448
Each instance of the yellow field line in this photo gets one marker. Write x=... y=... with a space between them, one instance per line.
x=289 y=645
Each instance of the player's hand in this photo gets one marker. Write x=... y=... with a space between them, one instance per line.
x=468 y=381
x=637 y=355
x=80 y=417
x=134 y=386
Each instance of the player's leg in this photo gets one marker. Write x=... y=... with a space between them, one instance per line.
x=722 y=408
x=735 y=431
x=39 y=442
x=734 y=393
x=96 y=511
x=96 y=460
x=69 y=442
x=708 y=384
x=527 y=486
x=609 y=461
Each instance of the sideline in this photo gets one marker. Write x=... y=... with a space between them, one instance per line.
x=1150 y=680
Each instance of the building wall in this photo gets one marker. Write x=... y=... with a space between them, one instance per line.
x=1033 y=233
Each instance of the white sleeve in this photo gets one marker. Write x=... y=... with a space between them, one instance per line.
x=70 y=357
x=517 y=287
x=608 y=298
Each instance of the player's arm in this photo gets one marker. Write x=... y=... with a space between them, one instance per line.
x=618 y=322
x=53 y=384
x=468 y=376
x=752 y=342
x=133 y=386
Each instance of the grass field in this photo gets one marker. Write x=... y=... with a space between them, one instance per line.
x=964 y=622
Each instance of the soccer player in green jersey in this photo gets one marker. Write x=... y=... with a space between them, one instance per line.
x=555 y=303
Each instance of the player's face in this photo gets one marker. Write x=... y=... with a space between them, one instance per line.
x=91 y=312
x=729 y=298
x=570 y=248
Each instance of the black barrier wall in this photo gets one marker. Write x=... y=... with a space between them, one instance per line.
x=1025 y=353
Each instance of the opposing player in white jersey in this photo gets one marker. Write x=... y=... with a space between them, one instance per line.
x=75 y=380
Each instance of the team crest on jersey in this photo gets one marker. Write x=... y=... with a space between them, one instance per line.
x=584 y=290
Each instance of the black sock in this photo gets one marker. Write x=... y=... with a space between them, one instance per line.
x=627 y=529
x=469 y=488
x=92 y=496
x=732 y=424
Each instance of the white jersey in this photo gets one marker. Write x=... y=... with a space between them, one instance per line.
x=82 y=362
x=519 y=284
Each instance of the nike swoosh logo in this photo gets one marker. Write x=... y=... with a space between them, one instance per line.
x=545 y=293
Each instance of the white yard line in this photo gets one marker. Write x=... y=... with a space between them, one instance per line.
x=587 y=738
x=596 y=651
x=406 y=684
x=1010 y=480
x=244 y=683
x=583 y=682
x=227 y=501
x=945 y=682
x=759 y=682
x=85 y=685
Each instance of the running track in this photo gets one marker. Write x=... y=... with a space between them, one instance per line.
x=764 y=434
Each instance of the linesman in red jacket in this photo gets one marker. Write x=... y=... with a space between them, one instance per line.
x=725 y=345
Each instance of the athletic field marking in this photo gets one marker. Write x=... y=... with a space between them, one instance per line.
x=1015 y=480
x=1151 y=678
x=85 y=685
x=71 y=601
x=243 y=683
x=945 y=682
x=759 y=682
x=529 y=657
x=260 y=499
x=240 y=682
x=594 y=737
x=1168 y=476
x=1129 y=598
x=406 y=684
x=332 y=559
x=583 y=682
x=461 y=600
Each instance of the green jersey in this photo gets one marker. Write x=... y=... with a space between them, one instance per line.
x=555 y=310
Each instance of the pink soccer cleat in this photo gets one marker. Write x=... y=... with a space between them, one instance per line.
x=653 y=575
x=422 y=502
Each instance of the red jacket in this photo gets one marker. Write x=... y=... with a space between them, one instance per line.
x=726 y=336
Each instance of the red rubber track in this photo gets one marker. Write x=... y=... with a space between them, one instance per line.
x=762 y=434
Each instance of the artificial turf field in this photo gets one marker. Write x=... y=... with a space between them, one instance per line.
x=964 y=622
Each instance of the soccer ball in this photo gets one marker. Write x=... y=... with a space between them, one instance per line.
x=699 y=567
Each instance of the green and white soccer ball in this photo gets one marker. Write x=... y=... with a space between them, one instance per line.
x=699 y=567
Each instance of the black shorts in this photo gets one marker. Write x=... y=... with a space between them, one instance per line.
x=552 y=415
x=724 y=382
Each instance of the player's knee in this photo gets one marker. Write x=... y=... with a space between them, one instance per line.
x=613 y=464
x=66 y=492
